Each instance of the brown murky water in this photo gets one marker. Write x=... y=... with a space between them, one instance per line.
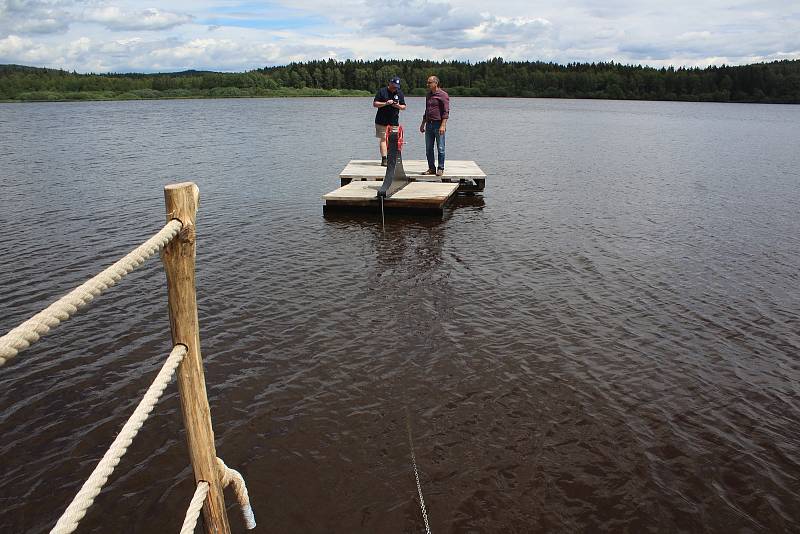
x=605 y=341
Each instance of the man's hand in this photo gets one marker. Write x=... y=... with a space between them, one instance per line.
x=442 y=129
x=422 y=128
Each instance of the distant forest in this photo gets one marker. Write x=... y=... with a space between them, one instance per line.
x=776 y=82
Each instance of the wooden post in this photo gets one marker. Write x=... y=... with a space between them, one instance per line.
x=178 y=257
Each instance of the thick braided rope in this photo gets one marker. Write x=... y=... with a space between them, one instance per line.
x=21 y=337
x=193 y=512
x=85 y=497
x=232 y=476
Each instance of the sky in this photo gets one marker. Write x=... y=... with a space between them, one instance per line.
x=234 y=36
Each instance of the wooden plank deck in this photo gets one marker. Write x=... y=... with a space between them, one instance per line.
x=467 y=174
x=430 y=197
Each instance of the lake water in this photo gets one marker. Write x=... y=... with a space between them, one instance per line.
x=606 y=340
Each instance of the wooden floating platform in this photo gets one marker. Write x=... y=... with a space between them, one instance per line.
x=469 y=177
x=419 y=197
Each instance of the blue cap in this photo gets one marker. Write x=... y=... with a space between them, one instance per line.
x=395 y=80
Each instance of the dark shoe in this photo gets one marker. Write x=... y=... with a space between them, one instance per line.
x=429 y=172
x=439 y=172
x=383 y=161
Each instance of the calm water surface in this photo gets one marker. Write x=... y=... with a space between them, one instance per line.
x=605 y=341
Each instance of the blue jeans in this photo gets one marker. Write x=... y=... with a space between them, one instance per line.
x=431 y=134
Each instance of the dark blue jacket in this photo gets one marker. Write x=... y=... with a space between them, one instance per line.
x=388 y=115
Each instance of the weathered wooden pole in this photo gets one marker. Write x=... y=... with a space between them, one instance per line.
x=178 y=257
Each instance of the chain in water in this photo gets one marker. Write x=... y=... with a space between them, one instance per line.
x=416 y=473
x=383 y=219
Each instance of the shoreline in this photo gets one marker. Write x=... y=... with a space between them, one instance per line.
x=105 y=96
x=353 y=93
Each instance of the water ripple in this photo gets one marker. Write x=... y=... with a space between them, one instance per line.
x=605 y=340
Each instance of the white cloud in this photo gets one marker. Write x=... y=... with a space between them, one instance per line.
x=195 y=49
x=123 y=35
x=27 y=51
x=44 y=24
x=505 y=30
x=151 y=19
x=439 y=25
x=13 y=45
x=33 y=16
x=200 y=53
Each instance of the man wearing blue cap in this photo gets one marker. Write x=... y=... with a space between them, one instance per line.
x=389 y=100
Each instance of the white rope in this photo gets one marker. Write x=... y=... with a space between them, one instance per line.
x=85 y=497
x=232 y=476
x=416 y=475
x=21 y=337
x=193 y=512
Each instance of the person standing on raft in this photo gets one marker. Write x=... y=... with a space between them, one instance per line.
x=390 y=101
x=434 y=124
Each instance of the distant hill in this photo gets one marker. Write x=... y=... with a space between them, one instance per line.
x=775 y=82
x=190 y=72
x=21 y=68
x=24 y=68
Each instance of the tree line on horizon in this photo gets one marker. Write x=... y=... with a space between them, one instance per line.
x=775 y=82
x=763 y=82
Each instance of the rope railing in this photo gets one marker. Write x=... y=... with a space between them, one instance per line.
x=227 y=476
x=196 y=504
x=85 y=497
x=232 y=476
x=21 y=337
x=178 y=256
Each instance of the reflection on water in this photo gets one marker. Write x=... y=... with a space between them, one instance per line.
x=605 y=340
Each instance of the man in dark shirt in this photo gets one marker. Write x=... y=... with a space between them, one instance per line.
x=434 y=124
x=389 y=100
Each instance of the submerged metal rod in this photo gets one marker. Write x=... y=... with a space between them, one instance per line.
x=416 y=473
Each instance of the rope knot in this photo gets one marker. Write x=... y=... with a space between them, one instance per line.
x=229 y=476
